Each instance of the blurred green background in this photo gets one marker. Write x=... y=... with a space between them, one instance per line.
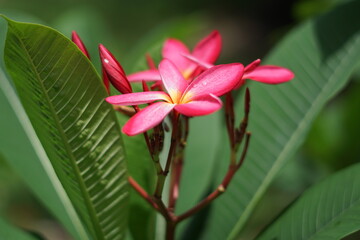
x=249 y=29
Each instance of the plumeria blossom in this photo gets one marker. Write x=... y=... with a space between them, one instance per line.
x=196 y=98
x=113 y=72
x=207 y=50
x=269 y=74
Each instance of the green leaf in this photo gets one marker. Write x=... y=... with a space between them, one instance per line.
x=200 y=154
x=19 y=142
x=64 y=99
x=25 y=154
x=10 y=232
x=329 y=210
x=322 y=53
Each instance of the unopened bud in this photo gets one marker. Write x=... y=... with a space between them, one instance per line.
x=113 y=71
x=77 y=40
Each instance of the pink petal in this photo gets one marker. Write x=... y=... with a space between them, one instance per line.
x=173 y=50
x=173 y=81
x=217 y=80
x=147 y=75
x=270 y=74
x=138 y=98
x=209 y=48
x=252 y=65
x=240 y=83
x=147 y=118
x=199 y=62
x=77 y=40
x=203 y=105
x=114 y=72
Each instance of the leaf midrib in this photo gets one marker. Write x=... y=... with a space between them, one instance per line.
x=89 y=206
x=277 y=165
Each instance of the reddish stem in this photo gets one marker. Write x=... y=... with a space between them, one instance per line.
x=221 y=188
x=175 y=183
x=161 y=177
x=230 y=118
x=178 y=165
x=170 y=230
x=142 y=192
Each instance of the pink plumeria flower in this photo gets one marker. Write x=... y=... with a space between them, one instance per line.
x=266 y=74
x=113 y=72
x=77 y=40
x=200 y=97
x=207 y=50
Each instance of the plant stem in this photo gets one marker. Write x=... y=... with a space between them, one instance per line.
x=170 y=230
x=142 y=192
x=230 y=118
x=175 y=182
x=221 y=188
x=161 y=177
x=178 y=166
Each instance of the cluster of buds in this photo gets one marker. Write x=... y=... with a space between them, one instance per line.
x=185 y=84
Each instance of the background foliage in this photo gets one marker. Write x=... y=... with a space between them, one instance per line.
x=249 y=30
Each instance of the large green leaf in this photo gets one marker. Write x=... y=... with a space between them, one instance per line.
x=322 y=53
x=64 y=99
x=25 y=154
x=329 y=210
x=8 y=232
x=18 y=142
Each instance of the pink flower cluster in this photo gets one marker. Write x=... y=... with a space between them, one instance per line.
x=192 y=83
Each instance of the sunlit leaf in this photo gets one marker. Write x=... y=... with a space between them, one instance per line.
x=25 y=154
x=64 y=99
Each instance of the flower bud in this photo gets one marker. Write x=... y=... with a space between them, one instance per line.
x=113 y=71
x=77 y=40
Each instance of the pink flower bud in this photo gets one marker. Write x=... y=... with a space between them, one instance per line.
x=113 y=71
x=77 y=40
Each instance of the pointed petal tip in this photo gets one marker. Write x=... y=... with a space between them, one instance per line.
x=251 y=66
x=147 y=118
x=270 y=74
